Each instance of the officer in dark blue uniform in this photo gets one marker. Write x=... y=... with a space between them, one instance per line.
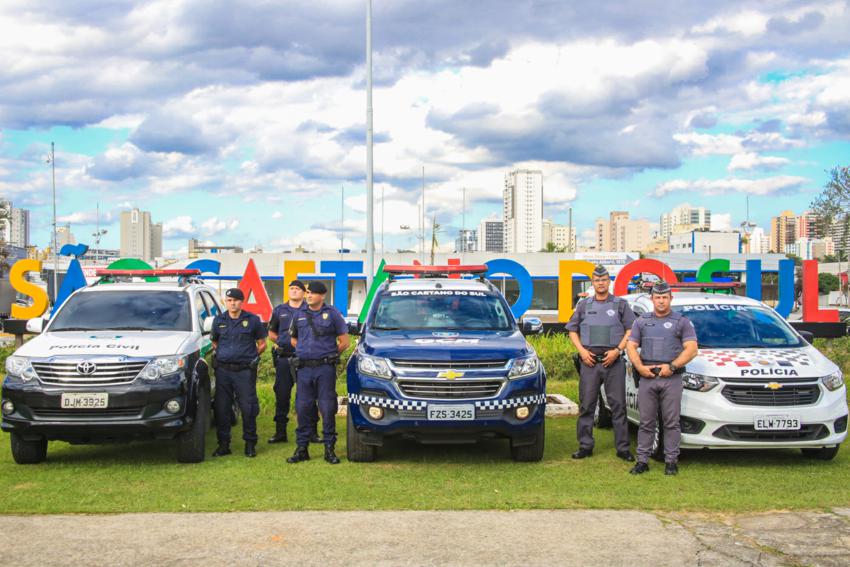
x=319 y=334
x=282 y=356
x=239 y=338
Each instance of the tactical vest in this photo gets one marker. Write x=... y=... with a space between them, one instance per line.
x=601 y=325
x=660 y=340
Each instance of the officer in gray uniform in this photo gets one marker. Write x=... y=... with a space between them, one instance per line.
x=667 y=343
x=599 y=329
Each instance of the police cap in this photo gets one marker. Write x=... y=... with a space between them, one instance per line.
x=661 y=287
x=235 y=293
x=299 y=284
x=317 y=287
x=600 y=271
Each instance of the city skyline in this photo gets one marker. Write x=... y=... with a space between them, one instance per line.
x=246 y=136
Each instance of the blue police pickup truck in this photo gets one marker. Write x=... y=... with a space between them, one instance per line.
x=441 y=359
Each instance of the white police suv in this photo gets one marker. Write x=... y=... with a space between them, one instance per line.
x=756 y=383
x=120 y=360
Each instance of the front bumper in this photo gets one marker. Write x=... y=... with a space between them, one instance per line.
x=407 y=417
x=135 y=411
x=730 y=426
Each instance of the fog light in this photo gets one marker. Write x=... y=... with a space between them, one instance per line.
x=376 y=412
x=840 y=423
x=522 y=412
x=8 y=407
x=172 y=406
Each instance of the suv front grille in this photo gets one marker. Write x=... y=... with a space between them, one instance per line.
x=106 y=373
x=450 y=389
x=106 y=413
x=800 y=395
x=449 y=364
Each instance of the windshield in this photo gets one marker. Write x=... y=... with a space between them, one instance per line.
x=739 y=326
x=120 y=310
x=442 y=309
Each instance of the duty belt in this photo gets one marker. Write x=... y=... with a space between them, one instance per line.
x=315 y=362
x=232 y=366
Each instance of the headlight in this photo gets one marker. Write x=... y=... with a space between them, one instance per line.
x=698 y=382
x=525 y=366
x=163 y=367
x=373 y=366
x=833 y=381
x=20 y=366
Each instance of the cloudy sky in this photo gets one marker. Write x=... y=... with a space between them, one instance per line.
x=241 y=122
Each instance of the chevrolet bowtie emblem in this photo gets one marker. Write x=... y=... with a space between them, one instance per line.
x=450 y=374
x=773 y=385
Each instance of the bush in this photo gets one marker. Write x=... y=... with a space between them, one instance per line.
x=827 y=283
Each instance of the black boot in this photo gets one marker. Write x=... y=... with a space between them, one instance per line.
x=330 y=455
x=251 y=449
x=315 y=438
x=300 y=454
x=222 y=449
x=280 y=433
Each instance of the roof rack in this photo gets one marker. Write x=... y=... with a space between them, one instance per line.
x=436 y=271
x=184 y=277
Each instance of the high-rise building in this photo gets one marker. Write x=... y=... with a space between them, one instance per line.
x=622 y=234
x=14 y=225
x=806 y=226
x=685 y=218
x=491 y=235
x=839 y=231
x=139 y=237
x=523 y=211
x=783 y=231
x=562 y=236
x=467 y=240
x=64 y=236
x=758 y=242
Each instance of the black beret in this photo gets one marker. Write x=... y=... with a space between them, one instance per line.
x=235 y=293
x=298 y=284
x=661 y=287
x=317 y=287
x=600 y=271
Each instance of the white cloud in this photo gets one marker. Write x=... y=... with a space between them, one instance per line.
x=277 y=215
x=721 y=221
x=765 y=186
x=752 y=160
x=214 y=226
x=315 y=240
x=179 y=227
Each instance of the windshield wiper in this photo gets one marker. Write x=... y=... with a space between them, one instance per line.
x=71 y=329
x=386 y=328
x=129 y=329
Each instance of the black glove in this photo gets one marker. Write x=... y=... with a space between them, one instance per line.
x=255 y=363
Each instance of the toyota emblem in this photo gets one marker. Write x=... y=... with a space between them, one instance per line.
x=86 y=368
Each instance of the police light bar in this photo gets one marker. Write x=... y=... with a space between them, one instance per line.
x=147 y=273
x=696 y=285
x=395 y=270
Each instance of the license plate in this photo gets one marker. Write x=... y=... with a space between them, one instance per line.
x=451 y=413
x=84 y=401
x=777 y=423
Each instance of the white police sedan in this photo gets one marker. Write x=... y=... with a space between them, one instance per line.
x=757 y=382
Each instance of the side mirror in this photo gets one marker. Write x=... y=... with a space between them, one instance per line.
x=35 y=326
x=532 y=326
x=207 y=327
x=808 y=336
x=354 y=326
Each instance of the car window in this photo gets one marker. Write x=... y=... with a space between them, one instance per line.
x=212 y=306
x=155 y=310
x=201 y=310
x=442 y=309
x=739 y=326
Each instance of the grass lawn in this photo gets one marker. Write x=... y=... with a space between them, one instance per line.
x=144 y=477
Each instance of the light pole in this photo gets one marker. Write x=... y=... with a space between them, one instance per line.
x=383 y=250
x=370 y=229
x=52 y=161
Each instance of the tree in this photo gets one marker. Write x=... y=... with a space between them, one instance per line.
x=797 y=260
x=827 y=283
x=833 y=204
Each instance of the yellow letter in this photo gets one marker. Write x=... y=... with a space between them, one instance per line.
x=291 y=269
x=566 y=269
x=21 y=285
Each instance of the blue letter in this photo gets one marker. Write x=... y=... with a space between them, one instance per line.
x=523 y=280
x=341 y=269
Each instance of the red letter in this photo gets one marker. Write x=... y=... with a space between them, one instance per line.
x=630 y=270
x=812 y=313
x=252 y=286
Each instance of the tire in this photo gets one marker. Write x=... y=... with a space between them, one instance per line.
x=602 y=417
x=531 y=453
x=28 y=452
x=355 y=449
x=657 y=453
x=191 y=445
x=821 y=454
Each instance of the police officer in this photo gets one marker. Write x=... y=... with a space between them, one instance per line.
x=599 y=329
x=282 y=356
x=319 y=334
x=667 y=343
x=239 y=338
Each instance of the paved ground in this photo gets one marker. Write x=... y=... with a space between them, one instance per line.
x=577 y=537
